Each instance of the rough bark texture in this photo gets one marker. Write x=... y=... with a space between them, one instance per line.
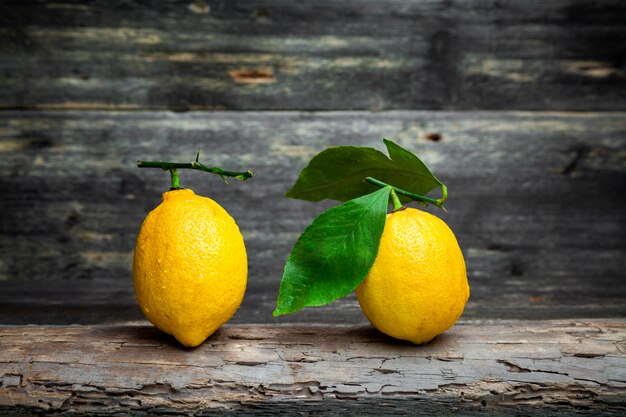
x=514 y=368
x=315 y=55
x=536 y=200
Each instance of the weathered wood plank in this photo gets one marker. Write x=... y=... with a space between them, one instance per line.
x=267 y=54
x=536 y=200
x=504 y=369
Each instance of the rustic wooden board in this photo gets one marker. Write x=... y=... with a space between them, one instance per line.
x=268 y=54
x=505 y=369
x=536 y=200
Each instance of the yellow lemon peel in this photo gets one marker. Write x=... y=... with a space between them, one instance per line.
x=417 y=287
x=190 y=266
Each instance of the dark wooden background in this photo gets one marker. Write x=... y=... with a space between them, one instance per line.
x=519 y=107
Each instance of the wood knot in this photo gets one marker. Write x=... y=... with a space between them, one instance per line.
x=434 y=137
x=594 y=69
x=253 y=76
x=199 y=7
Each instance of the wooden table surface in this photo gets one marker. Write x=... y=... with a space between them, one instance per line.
x=520 y=108
x=518 y=368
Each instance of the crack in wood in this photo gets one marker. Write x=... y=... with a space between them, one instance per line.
x=579 y=155
x=511 y=367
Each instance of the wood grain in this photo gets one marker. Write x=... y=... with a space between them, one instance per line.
x=315 y=55
x=504 y=369
x=536 y=200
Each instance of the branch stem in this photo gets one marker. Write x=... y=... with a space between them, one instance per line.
x=198 y=166
x=397 y=204
x=416 y=197
x=175 y=180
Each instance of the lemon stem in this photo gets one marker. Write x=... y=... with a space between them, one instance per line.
x=416 y=197
x=175 y=180
x=198 y=166
x=397 y=205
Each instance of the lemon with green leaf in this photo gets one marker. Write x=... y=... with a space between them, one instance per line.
x=406 y=266
x=417 y=287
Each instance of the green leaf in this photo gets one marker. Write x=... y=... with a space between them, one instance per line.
x=424 y=180
x=337 y=173
x=334 y=253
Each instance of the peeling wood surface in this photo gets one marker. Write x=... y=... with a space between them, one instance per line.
x=508 y=369
x=316 y=55
x=536 y=200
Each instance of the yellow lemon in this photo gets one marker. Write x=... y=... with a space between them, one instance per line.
x=417 y=287
x=190 y=266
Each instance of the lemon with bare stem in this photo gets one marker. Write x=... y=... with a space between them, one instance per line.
x=190 y=265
